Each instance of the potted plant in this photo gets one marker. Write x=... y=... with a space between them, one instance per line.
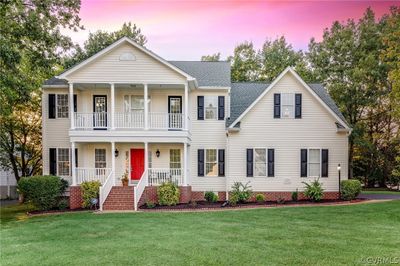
x=125 y=179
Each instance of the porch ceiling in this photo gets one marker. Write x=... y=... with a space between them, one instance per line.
x=89 y=86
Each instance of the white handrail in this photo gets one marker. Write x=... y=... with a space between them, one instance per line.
x=157 y=176
x=139 y=189
x=105 y=190
x=97 y=120
x=91 y=174
x=166 y=121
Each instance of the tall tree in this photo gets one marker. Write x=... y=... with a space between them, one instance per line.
x=31 y=47
x=245 y=65
x=211 y=58
x=101 y=39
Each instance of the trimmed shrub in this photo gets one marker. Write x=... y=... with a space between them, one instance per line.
x=90 y=190
x=210 y=196
x=314 y=190
x=63 y=204
x=350 y=189
x=241 y=192
x=295 y=195
x=168 y=194
x=43 y=191
x=260 y=198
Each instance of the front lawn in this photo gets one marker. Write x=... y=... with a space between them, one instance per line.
x=324 y=235
x=384 y=192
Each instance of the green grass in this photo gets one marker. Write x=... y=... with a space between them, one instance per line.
x=376 y=191
x=325 y=235
x=14 y=213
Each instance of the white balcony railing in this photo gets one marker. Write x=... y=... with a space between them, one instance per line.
x=157 y=176
x=129 y=120
x=92 y=174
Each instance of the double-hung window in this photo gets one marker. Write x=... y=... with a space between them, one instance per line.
x=63 y=161
x=133 y=103
x=62 y=105
x=211 y=105
x=287 y=107
x=211 y=162
x=175 y=159
x=260 y=162
x=314 y=162
x=100 y=160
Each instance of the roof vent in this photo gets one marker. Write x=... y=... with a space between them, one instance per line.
x=127 y=57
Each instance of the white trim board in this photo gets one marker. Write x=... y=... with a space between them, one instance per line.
x=289 y=69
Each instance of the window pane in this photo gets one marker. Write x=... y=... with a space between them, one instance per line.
x=211 y=163
x=260 y=155
x=287 y=105
x=260 y=169
x=314 y=162
x=211 y=104
x=127 y=104
x=62 y=105
x=314 y=169
x=314 y=156
x=260 y=160
x=63 y=162
x=175 y=158
x=100 y=158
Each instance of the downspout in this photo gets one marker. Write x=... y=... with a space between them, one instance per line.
x=227 y=167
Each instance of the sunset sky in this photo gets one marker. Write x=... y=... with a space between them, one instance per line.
x=186 y=30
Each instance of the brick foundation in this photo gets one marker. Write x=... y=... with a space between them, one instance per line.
x=273 y=196
x=75 y=197
x=150 y=194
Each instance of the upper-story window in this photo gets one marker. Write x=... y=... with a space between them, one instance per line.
x=134 y=103
x=287 y=105
x=210 y=107
x=62 y=105
x=58 y=105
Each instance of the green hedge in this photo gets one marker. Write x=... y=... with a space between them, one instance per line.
x=90 y=190
x=350 y=189
x=168 y=194
x=210 y=196
x=43 y=191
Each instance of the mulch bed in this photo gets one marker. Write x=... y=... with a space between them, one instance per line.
x=203 y=205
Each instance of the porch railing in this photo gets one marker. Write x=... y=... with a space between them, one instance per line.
x=92 y=120
x=157 y=176
x=139 y=189
x=92 y=174
x=166 y=121
x=105 y=189
x=129 y=120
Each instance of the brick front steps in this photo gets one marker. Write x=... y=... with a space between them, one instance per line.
x=120 y=198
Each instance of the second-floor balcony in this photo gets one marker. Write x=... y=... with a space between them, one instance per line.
x=129 y=120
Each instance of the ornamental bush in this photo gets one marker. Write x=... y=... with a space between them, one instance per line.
x=90 y=190
x=210 y=196
x=314 y=190
x=168 y=194
x=295 y=195
x=350 y=189
x=43 y=191
x=241 y=191
x=260 y=198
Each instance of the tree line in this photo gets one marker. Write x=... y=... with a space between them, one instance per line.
x=357 y=61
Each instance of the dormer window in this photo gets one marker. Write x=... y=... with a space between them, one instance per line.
x=287 y=108
x=287 y=105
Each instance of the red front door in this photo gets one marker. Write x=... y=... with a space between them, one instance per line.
x=137 y=163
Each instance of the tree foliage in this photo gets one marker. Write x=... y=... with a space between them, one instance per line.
x=101 y=39
x=244 y=63
x=211 y=58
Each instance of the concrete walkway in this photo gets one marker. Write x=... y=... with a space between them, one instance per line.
x=378 y=196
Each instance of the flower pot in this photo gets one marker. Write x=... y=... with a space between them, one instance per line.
x=125 y=182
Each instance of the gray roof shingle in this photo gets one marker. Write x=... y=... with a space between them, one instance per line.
x=243 y=94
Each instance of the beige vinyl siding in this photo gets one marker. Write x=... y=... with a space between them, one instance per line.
x=54 y=131
x=108 y=68
x=206 y=134
x=316 y=129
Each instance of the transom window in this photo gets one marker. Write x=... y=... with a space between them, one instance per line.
x=211 y=107
x=211 y=162
x=287 y=106
x=175 y=158
x=314 y=162
x=62 y=105
x=63 y=161
x=100 y=158
x=260 y=162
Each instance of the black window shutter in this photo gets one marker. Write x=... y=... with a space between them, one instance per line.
x=76 y=157
x=200 y=107
x=297 y=105
x=277 y=105
x=221 y=162
x=303 y=161
x=324 y=163
x=52 y=106
x=200 y=162
x=271 y=162
x=249 y=162
x=75 y=103
x=221 y=107
x=53 y=161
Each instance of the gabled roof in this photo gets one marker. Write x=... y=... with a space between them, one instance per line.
x=212 y=74
x=245 y=95
x=115 y=44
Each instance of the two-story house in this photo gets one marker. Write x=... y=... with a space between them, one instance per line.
x=127 y=111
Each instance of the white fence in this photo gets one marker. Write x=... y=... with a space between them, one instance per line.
x=157 y=176
x=92 y=174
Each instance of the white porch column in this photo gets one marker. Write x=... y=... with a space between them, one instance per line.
x=186 y=118
x=146 y=108
x=185 y=164
x=71 y=105
x=112 y=106
x=113 y=161
x=73 y=164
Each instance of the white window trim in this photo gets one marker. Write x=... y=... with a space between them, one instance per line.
x=294 y=104
x=308 y=163
x=266 y=163
x=216 y=108
x=69 y=160
x=205 y=162
x=180 y=158
x=68 y=104
x=130 y=101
